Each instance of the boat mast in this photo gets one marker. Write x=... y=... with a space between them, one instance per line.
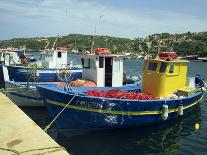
x=93 y=37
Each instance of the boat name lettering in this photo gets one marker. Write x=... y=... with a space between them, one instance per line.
x=87 y=104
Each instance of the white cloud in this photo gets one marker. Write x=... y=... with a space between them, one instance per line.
x=51 y=17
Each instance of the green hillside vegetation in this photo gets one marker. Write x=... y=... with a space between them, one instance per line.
x=184 y=44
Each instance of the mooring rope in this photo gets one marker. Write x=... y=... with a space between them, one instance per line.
x=48 y=126
x=10 y=150
x=52 y=150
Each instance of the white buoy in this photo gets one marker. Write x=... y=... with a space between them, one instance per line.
x=191 y=82
x=203 y=89
x=165 y=112
x=180 y=110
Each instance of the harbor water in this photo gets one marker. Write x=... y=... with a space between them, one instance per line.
x=172 y=137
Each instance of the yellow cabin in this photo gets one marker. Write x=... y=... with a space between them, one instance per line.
x=162 y=77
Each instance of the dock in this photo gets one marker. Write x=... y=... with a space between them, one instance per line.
x=21 y=135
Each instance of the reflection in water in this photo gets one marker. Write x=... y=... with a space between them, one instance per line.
x=160 y=138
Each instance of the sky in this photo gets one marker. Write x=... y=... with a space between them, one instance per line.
x=120 y=18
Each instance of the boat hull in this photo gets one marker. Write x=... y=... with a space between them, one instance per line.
x=86 y=112
x=22 y=95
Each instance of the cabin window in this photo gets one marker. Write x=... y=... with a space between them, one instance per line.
x=152 y=66
x=59 y=54
x=163 y=67
x=92 y=63
x=85 y=62
x=101 y=62
x=171 y=70
x=41 y=57
x=82 y=61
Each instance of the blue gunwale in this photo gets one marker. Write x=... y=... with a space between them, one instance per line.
x=119 y=112
x=187 y=102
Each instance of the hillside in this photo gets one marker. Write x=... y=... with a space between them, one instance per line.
x=185 y=44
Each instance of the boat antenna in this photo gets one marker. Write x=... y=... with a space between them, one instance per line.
x=93 y=37
x=56 y=39
x=48 y=43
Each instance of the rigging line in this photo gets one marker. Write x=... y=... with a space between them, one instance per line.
x=48 y=126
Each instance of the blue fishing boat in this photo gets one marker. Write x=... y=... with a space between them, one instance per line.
x=20 y=79
x=166 y=94
x=50 y=63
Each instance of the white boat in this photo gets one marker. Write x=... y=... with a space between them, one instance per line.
x=11 y=56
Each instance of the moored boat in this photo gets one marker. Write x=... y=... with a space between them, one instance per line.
x=25 y=93
x=165 y=95
x=46 y=68
x=20 y=80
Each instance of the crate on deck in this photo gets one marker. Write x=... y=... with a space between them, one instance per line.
x=186 y=91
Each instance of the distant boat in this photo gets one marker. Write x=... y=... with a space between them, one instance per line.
x=191 y=57
x=11 y=56
x=164 y=95
x=203 y=59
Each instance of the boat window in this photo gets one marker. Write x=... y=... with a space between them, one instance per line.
x=163 y=67
x=92 y=63
x=82 y=61
x=152 y=66
x=86 y=63
x=101 y=61
x=171 y=70
x=59 y=54
x=42 y=57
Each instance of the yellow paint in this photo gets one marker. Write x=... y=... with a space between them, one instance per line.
x=162 y=84
x=119 y=112
x=197 y=126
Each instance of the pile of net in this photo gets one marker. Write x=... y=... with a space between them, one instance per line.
x=82 y=83
x=119 y=94
x=77 y=83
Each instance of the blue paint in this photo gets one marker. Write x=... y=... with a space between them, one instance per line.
x=21 y=74
x=81 y=119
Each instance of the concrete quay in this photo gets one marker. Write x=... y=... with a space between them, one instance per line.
x=21 y=135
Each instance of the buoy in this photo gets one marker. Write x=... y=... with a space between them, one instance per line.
x=203 y=89
x=197 y=126
x=164 y=113
x=180 y=110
